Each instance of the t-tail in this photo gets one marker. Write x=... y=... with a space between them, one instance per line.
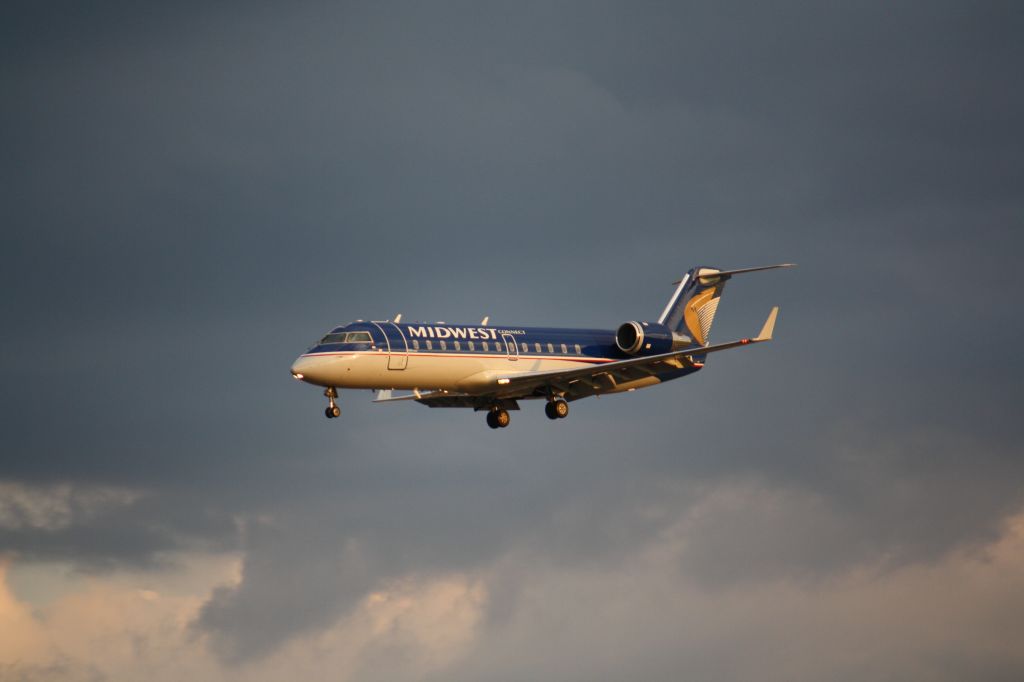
x=693 y=305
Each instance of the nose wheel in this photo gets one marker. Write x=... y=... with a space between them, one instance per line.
x=498 y=418
x=332 y=410
x=557 y=409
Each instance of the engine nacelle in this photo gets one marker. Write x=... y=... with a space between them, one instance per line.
x=649 y=338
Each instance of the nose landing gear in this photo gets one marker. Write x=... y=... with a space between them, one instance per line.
x=497 y=418
x=557 y=409
x=332 y=410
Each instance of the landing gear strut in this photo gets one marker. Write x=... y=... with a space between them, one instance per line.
x=557 y=409
x=332 y=410
x=497 y=418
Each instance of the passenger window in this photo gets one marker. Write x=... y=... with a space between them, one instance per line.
x=526 y=347
x=416 y=344
x=551 y=348
x=486 y=347
x=472 y=346
x=578 y=351
x=565 y=351
x=430 y=346
x=536 y=347
x=444 y=346
x=458 y=346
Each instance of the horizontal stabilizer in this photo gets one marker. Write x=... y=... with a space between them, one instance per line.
x=763 y=267
x=726 y=273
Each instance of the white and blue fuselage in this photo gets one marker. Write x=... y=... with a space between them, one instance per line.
x=419 y=356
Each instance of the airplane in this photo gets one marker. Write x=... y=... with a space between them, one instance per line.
x=490 y=369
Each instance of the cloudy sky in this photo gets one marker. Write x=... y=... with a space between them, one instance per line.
x=191 y=193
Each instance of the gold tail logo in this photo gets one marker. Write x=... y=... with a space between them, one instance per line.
x=700 y=313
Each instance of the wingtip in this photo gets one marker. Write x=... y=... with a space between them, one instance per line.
x=769 y=326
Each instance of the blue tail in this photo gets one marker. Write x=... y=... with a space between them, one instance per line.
x=692 y=308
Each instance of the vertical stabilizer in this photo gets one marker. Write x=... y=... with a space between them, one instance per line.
x=693 y=305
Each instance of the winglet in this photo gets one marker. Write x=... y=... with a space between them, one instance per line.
x=769 y=326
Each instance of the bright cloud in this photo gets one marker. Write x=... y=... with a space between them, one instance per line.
x=126 y=627
x=938 y=620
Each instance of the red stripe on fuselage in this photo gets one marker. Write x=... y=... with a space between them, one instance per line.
x=461 y=355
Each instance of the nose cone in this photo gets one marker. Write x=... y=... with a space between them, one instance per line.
x=308 y=369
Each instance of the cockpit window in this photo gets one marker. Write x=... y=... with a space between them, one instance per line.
x=347 y=337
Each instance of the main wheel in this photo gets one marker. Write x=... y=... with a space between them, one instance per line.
x=561 y=409
x=501 y=418
x=329 y=412
x=491 y=421
x=549 y=410
x=335 y=411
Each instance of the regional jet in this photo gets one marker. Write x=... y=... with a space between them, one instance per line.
x=492 y=368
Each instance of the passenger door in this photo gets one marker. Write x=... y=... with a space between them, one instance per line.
x=396 y=345
x=510 y=346
x=399 y=347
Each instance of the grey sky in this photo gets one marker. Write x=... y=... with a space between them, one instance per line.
x=192 y=194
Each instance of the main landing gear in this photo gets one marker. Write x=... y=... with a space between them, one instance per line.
x=332 y=410
x=497 y=418
x=557 y=409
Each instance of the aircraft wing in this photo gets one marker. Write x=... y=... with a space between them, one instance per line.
x=384 y=396
x=438 y=398
x=580 y=383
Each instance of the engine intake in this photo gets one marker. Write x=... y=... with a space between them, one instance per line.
x=630 y=337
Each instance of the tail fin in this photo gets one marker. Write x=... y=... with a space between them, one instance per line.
x=692 y=308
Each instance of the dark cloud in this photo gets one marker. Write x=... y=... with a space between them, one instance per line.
x=192 y=195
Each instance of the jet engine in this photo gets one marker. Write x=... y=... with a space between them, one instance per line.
x=649 y=338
